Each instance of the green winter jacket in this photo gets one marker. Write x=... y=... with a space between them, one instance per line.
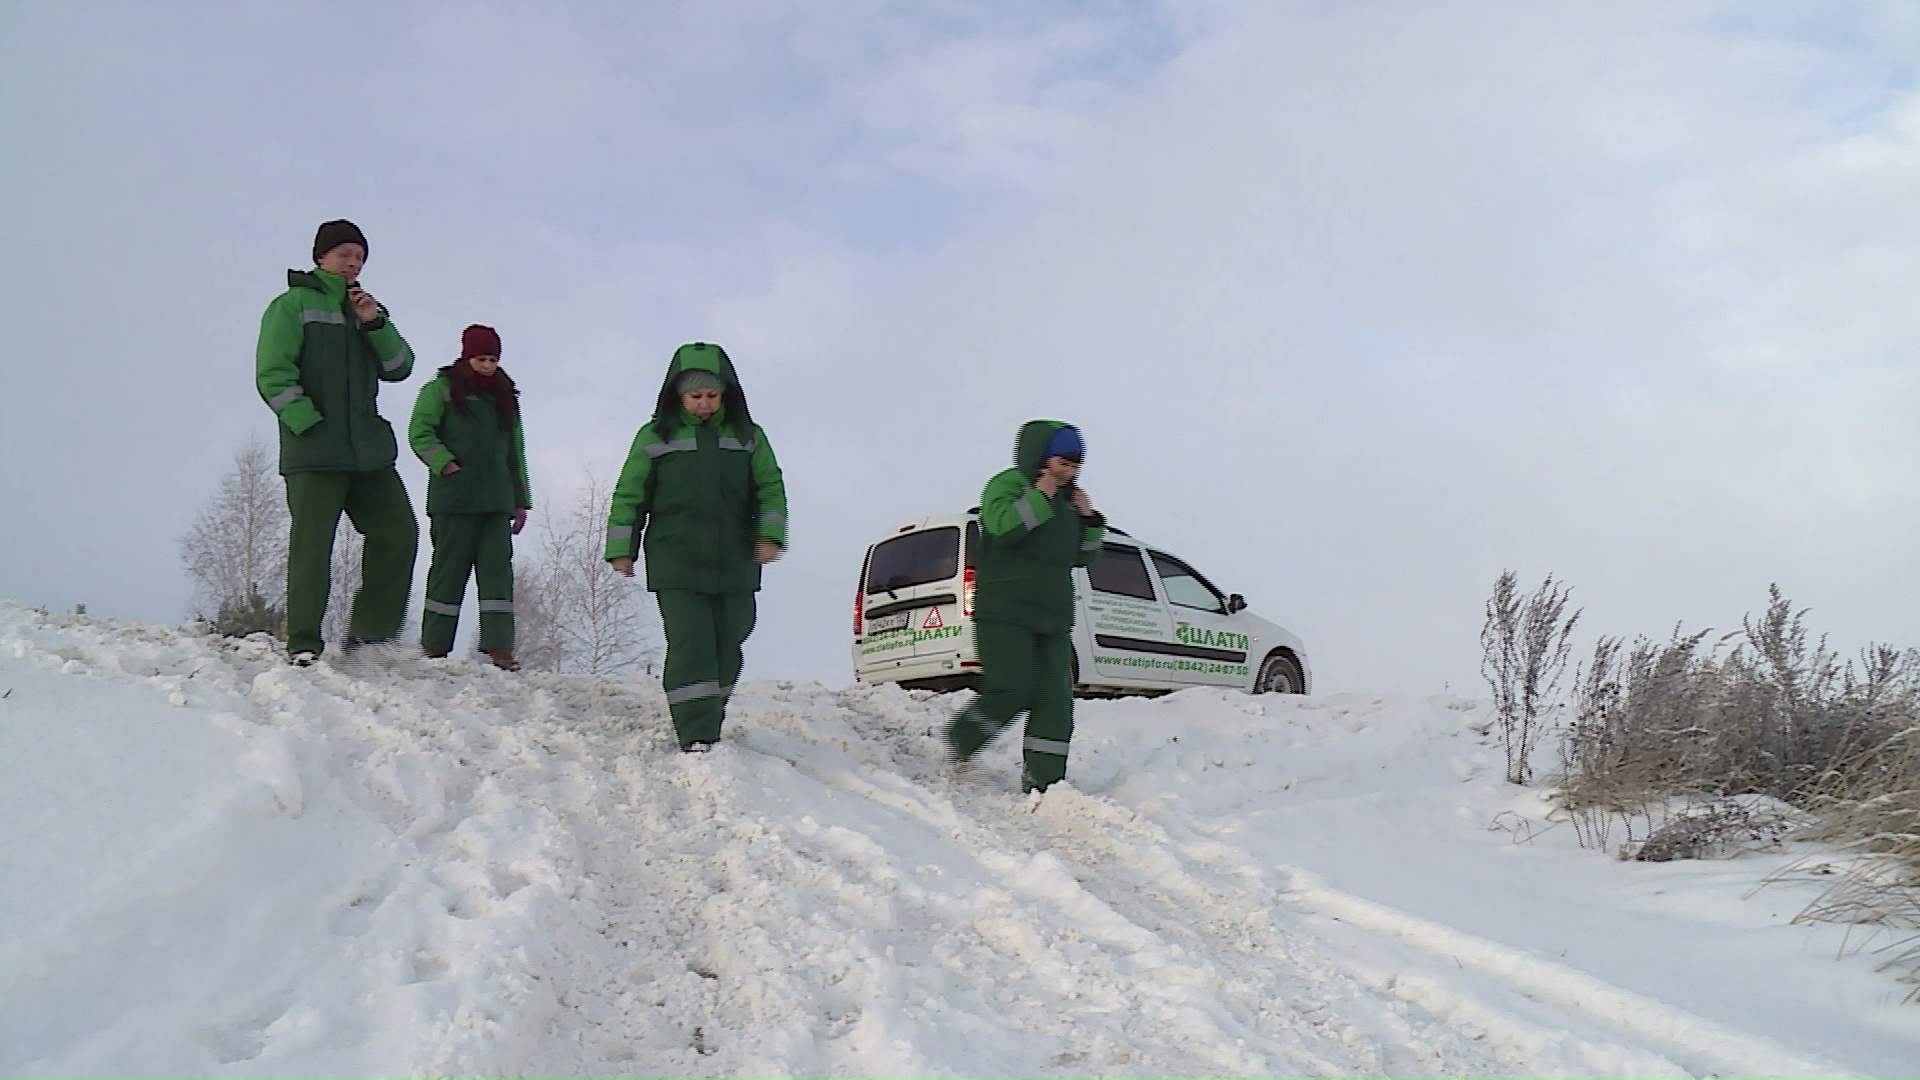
x=695 y=495
x=493 y=463
x=319 y=369
x=1024 y=569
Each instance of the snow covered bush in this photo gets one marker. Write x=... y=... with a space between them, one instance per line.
x=1717 y=828
x=1768 y=710
x=1698 y=749
x=1869 y=806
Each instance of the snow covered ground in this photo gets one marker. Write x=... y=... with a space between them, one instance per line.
x=215 y=864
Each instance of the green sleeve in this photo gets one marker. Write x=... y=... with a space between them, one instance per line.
x=423 y=429
x=628 y=514
x=390 y=349
x=276 y=365
x=771 y=490
x=1093 y=532
x=1011 y=508
x=524 y=484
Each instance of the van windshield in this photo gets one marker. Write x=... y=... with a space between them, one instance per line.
x=914 y=559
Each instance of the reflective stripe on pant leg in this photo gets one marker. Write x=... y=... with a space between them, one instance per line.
x=314 y=503
x=493 y=580
x=1050 y=720
x=687 y=619
x=694 y=692
x=453 y=539
x=1006 y=655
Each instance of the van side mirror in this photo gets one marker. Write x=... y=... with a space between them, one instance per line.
x=1236 y=603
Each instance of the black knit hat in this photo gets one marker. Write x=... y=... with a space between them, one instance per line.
x=335 y=233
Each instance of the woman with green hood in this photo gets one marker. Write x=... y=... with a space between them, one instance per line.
x=702 y=495
x=1036 y=525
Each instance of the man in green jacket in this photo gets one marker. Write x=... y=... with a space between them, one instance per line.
x=325 y=346
x=1036 y=525
x=702 y=493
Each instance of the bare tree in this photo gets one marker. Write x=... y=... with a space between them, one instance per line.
x=1526 y=646
x=235 y=553
x=571 y=612
x=343 y=580
x=538 y=644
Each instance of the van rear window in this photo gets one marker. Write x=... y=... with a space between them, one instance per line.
x=914 y=559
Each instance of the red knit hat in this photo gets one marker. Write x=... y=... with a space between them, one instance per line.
x=479 y=340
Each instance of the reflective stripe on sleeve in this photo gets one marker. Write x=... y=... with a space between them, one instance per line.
x=397 y=360
x=308 y=315
x=619 y=532
x=427 y=454
x=1044 y=746
x=1027 y=516
x=439 y=608
x=1089 y=545
x=285 y=397
x=693 y=692
x=654 y=450
x=772 y=517
x=495 y=607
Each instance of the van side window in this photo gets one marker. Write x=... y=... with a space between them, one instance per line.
x=1187 y=588
x=1119 y=570
x=914 y=559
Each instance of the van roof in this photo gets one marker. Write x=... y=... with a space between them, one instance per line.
x=936 y=521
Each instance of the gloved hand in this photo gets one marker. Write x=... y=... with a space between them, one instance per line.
x=519 y=519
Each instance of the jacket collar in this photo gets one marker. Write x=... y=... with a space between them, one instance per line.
x=321 y=281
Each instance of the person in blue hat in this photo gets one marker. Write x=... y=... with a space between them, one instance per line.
x=1036 y=525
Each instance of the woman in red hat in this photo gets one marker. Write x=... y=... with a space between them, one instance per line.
x=466 y=427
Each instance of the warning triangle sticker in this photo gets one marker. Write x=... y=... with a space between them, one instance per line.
x=933 y=621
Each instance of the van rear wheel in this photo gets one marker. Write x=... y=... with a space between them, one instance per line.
x=1280 y=674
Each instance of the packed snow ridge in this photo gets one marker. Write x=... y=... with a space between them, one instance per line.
x=216 y=864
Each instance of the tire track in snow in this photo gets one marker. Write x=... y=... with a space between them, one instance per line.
x=1215 y=961
x=1635 y=1035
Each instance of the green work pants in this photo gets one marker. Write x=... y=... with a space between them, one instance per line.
x=376 y=502
x=480 y=544
x=704 y=634
x=1021 y=671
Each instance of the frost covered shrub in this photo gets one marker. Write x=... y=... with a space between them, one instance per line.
x=1525 y=646
x=1869 y=807
x=1768 y=710
x=1699 y=749
x=1715 y=828
x=254 y=614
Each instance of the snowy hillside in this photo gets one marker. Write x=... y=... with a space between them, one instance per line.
x=215 y=864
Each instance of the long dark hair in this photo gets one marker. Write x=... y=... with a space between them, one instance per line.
x=506 y=396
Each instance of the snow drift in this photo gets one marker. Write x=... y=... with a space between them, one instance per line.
x=216 y=864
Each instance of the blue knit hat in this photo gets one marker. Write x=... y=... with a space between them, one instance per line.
x=1066 y=443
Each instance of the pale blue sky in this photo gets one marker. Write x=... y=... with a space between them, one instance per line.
x=1358 y=303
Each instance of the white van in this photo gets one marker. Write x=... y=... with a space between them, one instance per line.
x=1145 y=622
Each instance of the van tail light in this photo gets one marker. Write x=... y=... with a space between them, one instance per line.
x=860 y=610
x=966 y=594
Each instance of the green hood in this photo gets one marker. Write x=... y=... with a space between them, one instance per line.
x=700 y=356
x=1030 y=446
